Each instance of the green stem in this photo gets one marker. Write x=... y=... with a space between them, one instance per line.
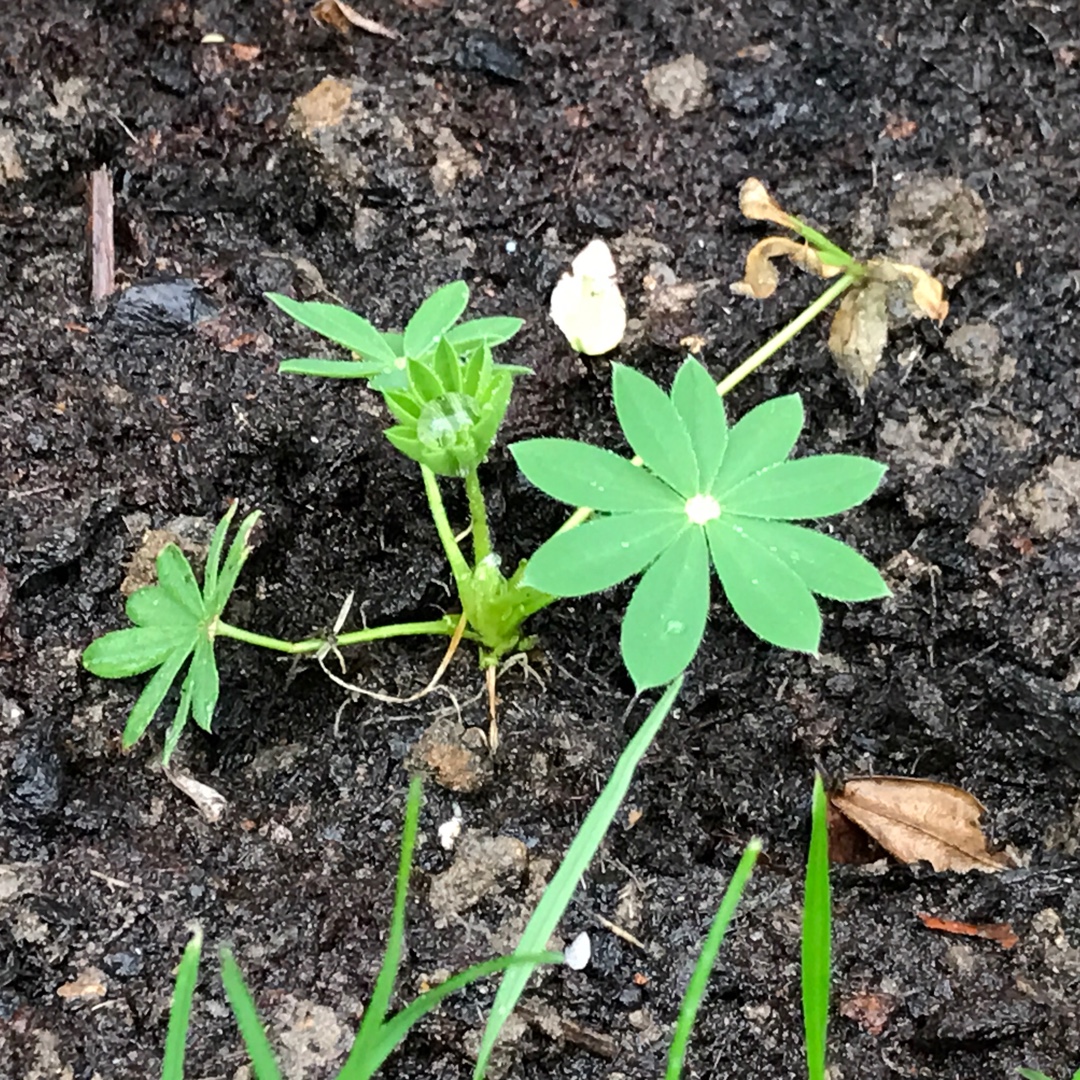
x=478 y=516
x=458 y=566
x=779 y=340
x=444 y=626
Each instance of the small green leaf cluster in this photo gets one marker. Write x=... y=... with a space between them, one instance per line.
x=437 y=377
x=702 y=493
x=174 y=620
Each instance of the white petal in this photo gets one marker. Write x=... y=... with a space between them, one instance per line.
x=578 y=953
x=586 y=304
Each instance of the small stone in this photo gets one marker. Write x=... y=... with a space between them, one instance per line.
x=678 y=87
x=484 y=866
x=977 y=346
x=454 y=756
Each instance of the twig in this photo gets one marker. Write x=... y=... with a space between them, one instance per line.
x=99 y=229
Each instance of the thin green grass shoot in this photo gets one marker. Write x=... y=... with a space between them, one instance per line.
x=562 y=886
x=695 y=991
x=817 y=937
x=187 y=974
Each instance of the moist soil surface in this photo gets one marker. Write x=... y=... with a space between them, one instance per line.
x=490 y=142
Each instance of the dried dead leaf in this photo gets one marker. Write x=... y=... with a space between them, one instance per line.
x=760 y=277
x=927 y=293
x=757 y=204
x=208 y=801
x=921 y=821
x=342 y=17
x=1002 y=933
x=859 y=332
x=89 y=983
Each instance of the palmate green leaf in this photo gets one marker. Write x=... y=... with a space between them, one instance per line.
x=121 y=653
x=478 y=368
x=765 y=436
x=665 y=619
x=434 y=317
x=324 y=368
x=602 y=552
x=487 y=331
x=654 y=429
x=338 y=324
x=826 y=566
x=763 y=590
x=149 y=701
x=701 y=409
x=582 y=475
x=810 y=487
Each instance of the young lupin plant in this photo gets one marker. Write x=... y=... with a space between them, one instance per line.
x=698 y=493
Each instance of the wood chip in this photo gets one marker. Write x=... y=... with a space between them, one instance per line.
x=100 y=231
x=342 y=18
x=1002 y=933
x=88 y=984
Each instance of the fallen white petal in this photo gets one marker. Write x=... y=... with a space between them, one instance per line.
x=579 y=952
x=587 y=305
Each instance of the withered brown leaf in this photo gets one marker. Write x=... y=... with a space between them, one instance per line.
x=761 y=277
x=921 y=821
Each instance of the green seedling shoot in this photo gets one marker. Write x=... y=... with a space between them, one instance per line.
x=698 y=494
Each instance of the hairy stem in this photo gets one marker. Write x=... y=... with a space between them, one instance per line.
x=478 y=515
x=458 y=565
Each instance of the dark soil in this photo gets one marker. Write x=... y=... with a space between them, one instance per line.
x=116 y=419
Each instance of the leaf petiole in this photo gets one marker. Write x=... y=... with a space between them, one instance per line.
x=444 y=626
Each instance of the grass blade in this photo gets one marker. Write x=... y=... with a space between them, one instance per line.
x=368 y=1035
x=397 y=1027
x=187 y=974
x=247 y=1019
x=562 y=886
x=695 y=991
x=817 y=937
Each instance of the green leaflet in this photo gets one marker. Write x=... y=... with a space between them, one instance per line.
x=806 y=488
x=602 y=552
x=582 y=475
x=654 y=429
x=763 y=590
x=765 y=435
x=826 y=566
x=434 y=317
x=701 y=410
x=665 y=620
x=338 y=324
